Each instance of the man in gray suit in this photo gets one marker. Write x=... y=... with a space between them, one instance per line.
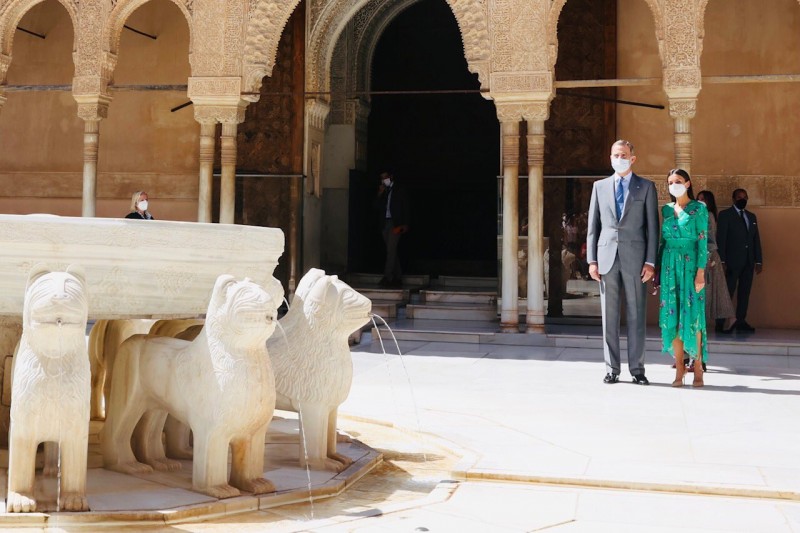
x=621 y=248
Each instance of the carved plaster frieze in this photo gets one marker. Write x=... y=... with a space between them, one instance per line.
x=519 y=37
x=212 y=86
x=224 y=114
x=682 y=83
x=522 y=110
x=5 y=62
x=522 y=82
x=317 y=114
x=356 y=112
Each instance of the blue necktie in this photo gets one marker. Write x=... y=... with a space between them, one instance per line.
x=620 y=198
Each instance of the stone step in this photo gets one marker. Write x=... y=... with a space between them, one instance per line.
x=466 y=281
x=385 y=309
x=451 y=312
x=471 y=297
x=363 y=279
x=386 y=295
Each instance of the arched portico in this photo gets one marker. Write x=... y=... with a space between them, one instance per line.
x=12 y=12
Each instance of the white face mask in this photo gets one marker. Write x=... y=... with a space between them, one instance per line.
x=620 y=165
x=677 y=189
x=387 y=182
x=142 y=205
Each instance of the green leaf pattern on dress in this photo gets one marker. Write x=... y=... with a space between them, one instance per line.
x=683 y=246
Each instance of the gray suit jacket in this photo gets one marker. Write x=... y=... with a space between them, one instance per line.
x=634 y=236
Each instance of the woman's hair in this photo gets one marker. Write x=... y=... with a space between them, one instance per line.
x=135 y=200
x=711 y=203
x=685 y=175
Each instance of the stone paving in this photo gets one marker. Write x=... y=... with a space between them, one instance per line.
x=492 y=438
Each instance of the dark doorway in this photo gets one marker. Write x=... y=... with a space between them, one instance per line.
x=444 y=148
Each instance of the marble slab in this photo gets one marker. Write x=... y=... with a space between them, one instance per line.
x=135 y=269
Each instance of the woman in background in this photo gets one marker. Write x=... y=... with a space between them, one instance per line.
x=139 y=206
x=718 y=300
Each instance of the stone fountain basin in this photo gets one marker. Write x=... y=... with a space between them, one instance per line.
x=135 y=268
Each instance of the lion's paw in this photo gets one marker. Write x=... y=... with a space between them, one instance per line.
x=346 y=461
x=73 y=501
x=166 y=465
x=257 y=485
x=330 y=465
x=222 y=491
x=133 y=467
x=20 y=503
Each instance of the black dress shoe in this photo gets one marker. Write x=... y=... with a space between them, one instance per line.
x=611 y=378
x=639 y=379
x=744 y=326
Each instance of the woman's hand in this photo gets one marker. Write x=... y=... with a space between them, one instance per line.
x=700 y=280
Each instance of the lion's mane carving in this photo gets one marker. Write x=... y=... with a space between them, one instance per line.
x=50 y=388
x=221 y=385
x=313 y=366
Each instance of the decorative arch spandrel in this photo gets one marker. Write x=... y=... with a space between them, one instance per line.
x=121 y=10
x=558 y=5
x=266 y=21
x=12 y=11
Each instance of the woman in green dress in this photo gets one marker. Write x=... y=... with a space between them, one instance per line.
x=683 y=253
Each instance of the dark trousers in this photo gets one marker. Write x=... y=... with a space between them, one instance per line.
x=391 y=269
x=743 y=277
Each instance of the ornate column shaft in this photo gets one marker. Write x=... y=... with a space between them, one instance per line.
x=682 y=85
x=509 y=311
x=536 y=311
x=91 y=145
x=204 y=195
x=217 y=99
x=682 y=111
x=227 y=187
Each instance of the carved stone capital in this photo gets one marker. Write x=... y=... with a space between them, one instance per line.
x=516 y=111
x=317 y=112
x=224 y=114
x=682 y=107
x=92 y=107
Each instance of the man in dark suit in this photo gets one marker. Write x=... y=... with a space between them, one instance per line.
x=621 y=248
x=392 y=206
x=740 y=252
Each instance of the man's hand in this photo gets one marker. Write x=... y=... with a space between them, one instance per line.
x=593 y=273
x=699 y=280
x=758 y=268
x=648 y=271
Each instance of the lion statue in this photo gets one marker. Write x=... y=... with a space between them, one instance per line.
x=221 y=385
x=313 y=366
x=104 y=341
x=50 y=388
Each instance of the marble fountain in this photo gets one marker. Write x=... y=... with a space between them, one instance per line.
x=187 y=343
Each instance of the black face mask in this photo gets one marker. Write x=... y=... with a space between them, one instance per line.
x=740 y=204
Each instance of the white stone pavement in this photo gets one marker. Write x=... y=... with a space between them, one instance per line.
x=603 y=457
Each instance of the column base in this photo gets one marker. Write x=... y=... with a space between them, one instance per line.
x=509 y=327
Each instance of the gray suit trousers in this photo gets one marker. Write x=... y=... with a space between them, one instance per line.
x=635 y=291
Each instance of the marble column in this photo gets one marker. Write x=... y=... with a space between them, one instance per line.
x=91 y=143
x=509 y=311
x=204 y=195
x=227 y=189
x=535 y=311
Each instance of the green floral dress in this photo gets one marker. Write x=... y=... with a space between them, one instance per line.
x=683 y=247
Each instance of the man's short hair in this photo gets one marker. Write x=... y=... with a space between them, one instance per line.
x=737 y=191
x=623 y=142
